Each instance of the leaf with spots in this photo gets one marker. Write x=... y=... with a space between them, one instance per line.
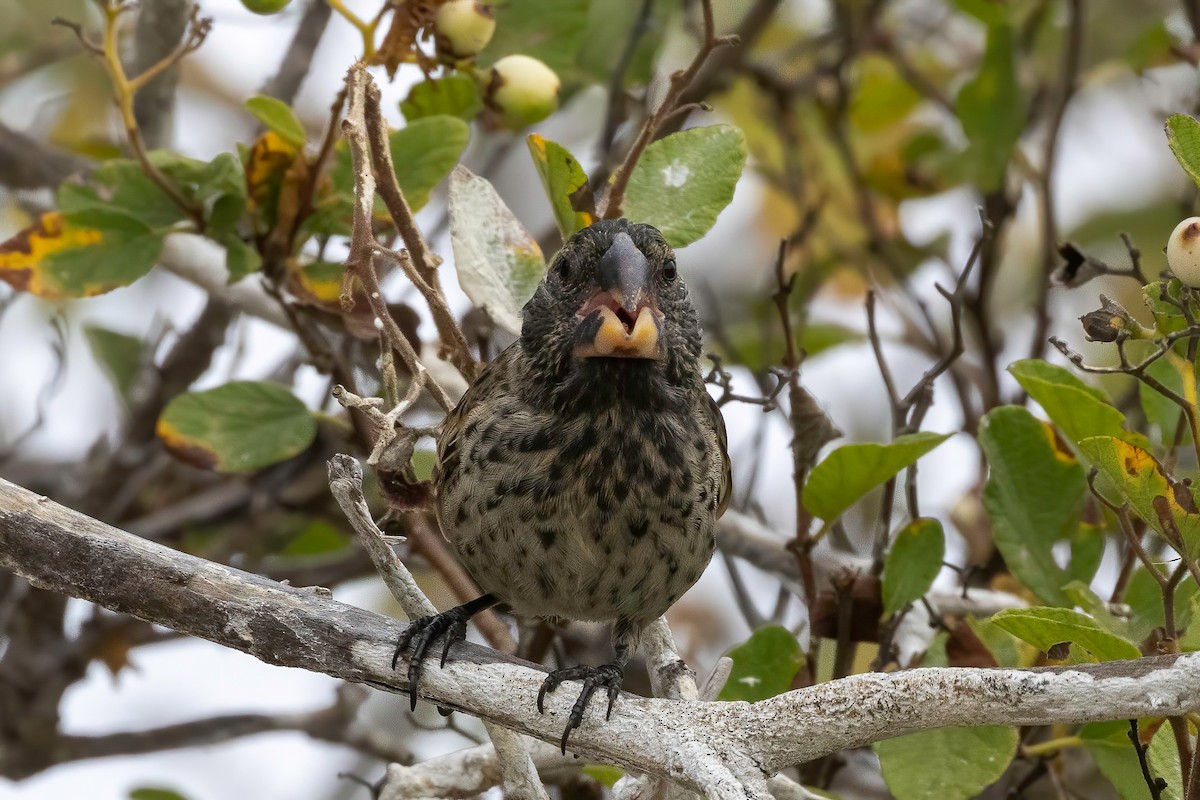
x=266 y=164
x=238 y=427
x=499 y=263
x=683 y=181
x=56 y=257
x=852 y=470
x=1165 y=504
x=764 y=665
x=946 y=763
x=565 y=182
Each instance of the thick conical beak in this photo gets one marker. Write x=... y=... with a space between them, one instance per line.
x=620 y=320
x=624 y=273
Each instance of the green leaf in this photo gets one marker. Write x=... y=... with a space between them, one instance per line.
x=155 y=793
x=1033 y=496
x=551 y=31
x=57 y=257
x=238 y=427
x=423 y=462
x=817 y=337
x=1183 y=137
x=683 y=181
x=1045 y=627
x=607 y=774
x=992 y=111
x=278 y=117
x=988 y=12
x=121 y=356
x=423 y=153
x=1144 y=599
x=1153 y=47
x=499 y=264
x=1003 y=646
x=565 y=182
x=913 y=563
x=607 y=37
x=946 y=763
x=1108 y=743
x=763 y=665
x=1083 y=596
x=316 y=538
x=1079 y=410
x=882 y=97
x=1168 y=317
x=240 y=258
x=852 y=470
x=128 y=197
x=454 y=94
x=1167 y=505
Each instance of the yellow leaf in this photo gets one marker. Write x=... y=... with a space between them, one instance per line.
x=23 y=258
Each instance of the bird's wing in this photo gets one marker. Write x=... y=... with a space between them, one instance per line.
x=725 y=491
x=483 y=387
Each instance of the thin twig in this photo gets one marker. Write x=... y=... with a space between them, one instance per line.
x=680 y=81
x=1072 y=56
x=1156 y=785
x=363 y=246
x=421 y=265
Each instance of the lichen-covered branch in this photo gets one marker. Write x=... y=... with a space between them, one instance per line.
x=726 y=750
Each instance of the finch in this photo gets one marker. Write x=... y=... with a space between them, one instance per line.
x=581 y=475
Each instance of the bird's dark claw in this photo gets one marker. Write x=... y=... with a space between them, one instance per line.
x=419 y=636
x=606 y=675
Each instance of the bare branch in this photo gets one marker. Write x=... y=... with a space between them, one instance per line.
x=360 y=264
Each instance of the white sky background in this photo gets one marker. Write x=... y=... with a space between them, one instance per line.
x=1113 y=151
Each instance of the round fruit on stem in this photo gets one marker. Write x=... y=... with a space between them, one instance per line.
x=522 y=90
x=1183 y=251
x=265 y=6
x=462 y=28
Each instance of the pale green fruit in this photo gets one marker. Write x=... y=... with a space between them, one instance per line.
x=1183 y=251
x=463 y=27
x=523 y=90
x=265 y=6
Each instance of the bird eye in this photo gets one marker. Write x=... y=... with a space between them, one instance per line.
x=562 y=267
x=668 y=271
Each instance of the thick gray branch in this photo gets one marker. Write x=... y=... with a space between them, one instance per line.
x=725 y=750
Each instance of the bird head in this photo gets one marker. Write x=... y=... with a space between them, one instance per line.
x=613 y=315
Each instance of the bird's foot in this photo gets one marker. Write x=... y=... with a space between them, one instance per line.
x=606 y=675
x=419 y=636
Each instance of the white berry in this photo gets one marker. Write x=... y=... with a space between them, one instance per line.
x=523 y=90
x=1183 y=251
x=463 y=27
